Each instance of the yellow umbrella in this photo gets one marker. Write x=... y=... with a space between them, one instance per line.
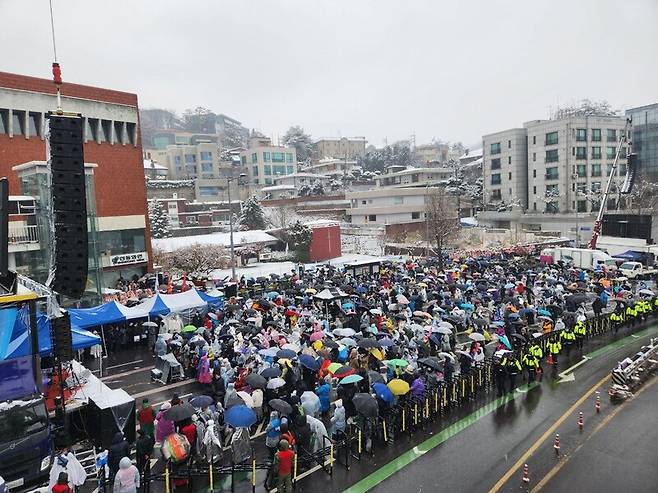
x=377 y=353
x=311 y=291
x=398 y=387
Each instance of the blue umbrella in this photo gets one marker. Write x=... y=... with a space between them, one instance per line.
x=271 y=372
x=201 y=401
x=513 y=316
x=271 y=352
x=509 y=285
x=350 y=379
x=505 y=341
x=272 y=295
x=307 y=361
x=386 y=342
x=383 y=392
x=543 y=312
x=240 y=416
x=347 y=306
x=361 y=289
x=286 y=353
x=498 y=323
x=526 y=311
x=467 y=306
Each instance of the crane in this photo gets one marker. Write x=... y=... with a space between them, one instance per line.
x=627 y=185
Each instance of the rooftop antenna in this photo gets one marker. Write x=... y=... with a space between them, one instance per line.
x=57 y=71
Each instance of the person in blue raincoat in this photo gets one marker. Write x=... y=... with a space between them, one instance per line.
x=323 y=391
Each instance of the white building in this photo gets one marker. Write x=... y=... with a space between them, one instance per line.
x=387 y=206
x=265 y=162
x=505 y=169
x=396 y=176
x=332 y=167
x=297 y=180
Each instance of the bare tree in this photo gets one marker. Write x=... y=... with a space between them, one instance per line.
x=644 y=197
x=194 y=259
x=442 y=220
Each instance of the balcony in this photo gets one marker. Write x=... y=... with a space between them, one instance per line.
x=23 y=238
x=551 y=177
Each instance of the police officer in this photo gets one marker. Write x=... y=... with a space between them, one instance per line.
x=554 y=347
x=499 y=374
x=580 y=330
x=567 y=337
x=513 y=367
x=530 y=363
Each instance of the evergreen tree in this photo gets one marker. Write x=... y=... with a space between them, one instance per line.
x=158 y=219
x=318 y=188
x=252 y=215
x=300 y=237
x=301 y=141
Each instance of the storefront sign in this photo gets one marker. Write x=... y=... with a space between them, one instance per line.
x=129 y=258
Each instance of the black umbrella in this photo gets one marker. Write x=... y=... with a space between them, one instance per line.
x=343 y=371
x=256 y=381
x=368 y=343
x=330 y=343
x=282 y=406
x=180 y=412
x=375 y=377
x=366 y=405
x=432 y=362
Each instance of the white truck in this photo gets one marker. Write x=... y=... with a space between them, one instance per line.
x=582 y=258
x=636 y=270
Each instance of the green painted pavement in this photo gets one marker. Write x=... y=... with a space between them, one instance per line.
x=409 y=456
x=406 y=458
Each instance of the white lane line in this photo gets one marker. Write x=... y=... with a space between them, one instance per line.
x=126 y=373
x=125 y=364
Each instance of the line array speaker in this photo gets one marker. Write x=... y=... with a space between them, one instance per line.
x=62 y=338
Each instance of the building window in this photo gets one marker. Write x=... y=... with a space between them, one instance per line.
x=581 y=135
x=534 y=206
x=551 y=139
x=552 y=174
x=581 y=171
x=279 y=170
x=206 y=156
x=254 y=157
x=495 y=179
x=118 y=242
x=372 y=218
x=622 y=169
x=552 y=207
x=290 y=169
x=596 y=135
x=534 y=156
x=509 y=144
x=268 y=181
x=608 y=169
x=278 y=157
x=267 y=169
x=534 y=173
x=266 y=157
x=534 y=140
x=509 y=160
x=509 y=176
x=495 y=148
x=289 y=157
x=610 y=152
x=552 y=156
x=177 y=160
x=596 y=170
x=611 y=135
x=398 y=200
x=596 y=186
x=581 y=152
x=622 y=153
x=4 y=121
x=243 y=160
x=415 y=215
x=206 y=167
x=495 y=163
x=534 y=190
x=496 y=195
x=190 y=158
x=208 y=191
x=582 y=206
x=254 y=170
x=596 y=153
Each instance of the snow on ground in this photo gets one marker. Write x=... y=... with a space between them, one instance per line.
x=223 y=239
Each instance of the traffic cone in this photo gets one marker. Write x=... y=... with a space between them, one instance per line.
x=556 y=444
x=598 y=402
x=581 y=421
x=526 y=476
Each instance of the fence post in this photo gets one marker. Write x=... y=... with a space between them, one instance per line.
x=253 y=474
x=359 y=443
x=404 y=420
x=384 y=428
x=167 y=477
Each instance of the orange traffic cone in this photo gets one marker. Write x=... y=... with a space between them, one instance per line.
x=581 y=421
x=556 y=444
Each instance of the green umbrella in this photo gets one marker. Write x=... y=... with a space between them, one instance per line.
x=397 y=362
x=189 y=328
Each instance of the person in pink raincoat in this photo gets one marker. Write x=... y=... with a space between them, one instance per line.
x=203 y=371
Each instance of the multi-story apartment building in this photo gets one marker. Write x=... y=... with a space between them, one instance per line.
x=645 y=139
x=432 y=153
x=340 y=147
x=400 y=176
x=265 y=162
x=505 y=167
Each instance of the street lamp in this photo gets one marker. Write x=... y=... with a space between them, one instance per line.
x=230 y=219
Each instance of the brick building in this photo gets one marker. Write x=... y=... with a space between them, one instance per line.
x=112 y=146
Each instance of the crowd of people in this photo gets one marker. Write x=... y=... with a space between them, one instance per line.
x=311 y=352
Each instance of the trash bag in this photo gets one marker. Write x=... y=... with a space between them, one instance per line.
x=176 y=448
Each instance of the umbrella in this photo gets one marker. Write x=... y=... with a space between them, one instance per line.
x=310 y=291
x=431 y=362
x=153 y=324
x=291 y=347
x=368 y=343
x=375 y=377
x=476 y=336
x=175 y=343
x=270 y=351
x=285 y=354
x=463 y=353
x=505 y=341
x=344 y=371
x=442 y=330
x=333 y=367
x=282 y=406
x=383 y=392
x=276 y=383
x=347 y=341
x=543 y=312
x=307 y=361
x=213 y=316
x=397 y=362
x=271 y=372
x=248 y=400
x=201 y=401
x=350 y=379
x=344 y=332
x=377 y=353
x=316 y=336
x=501 y=352
x=543 y=317
x=386 y=342
x=189 y=328
x=272 y=295
x=330 y=343
x=366 y=405
x=256 y=381
x=519 y=337
x=419 y=313
x=240 y=416
x=643 y=292
x=398 y=387
x=376 y=311
x=447 y=355
x=180 y=412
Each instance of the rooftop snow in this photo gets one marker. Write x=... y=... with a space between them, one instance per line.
x=240 y=238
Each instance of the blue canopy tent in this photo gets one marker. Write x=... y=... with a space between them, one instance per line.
x=160 y=304
x=632 y=255
x=19 y=341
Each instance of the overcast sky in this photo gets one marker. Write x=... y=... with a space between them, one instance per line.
x=381 y=69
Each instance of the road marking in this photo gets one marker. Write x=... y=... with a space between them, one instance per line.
x=544 y=481
x=125 y=364
x=567 y=375
x=633 y=335
x=547 y=434
x=419 y=450
x=613 y=346
x=125 y=373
